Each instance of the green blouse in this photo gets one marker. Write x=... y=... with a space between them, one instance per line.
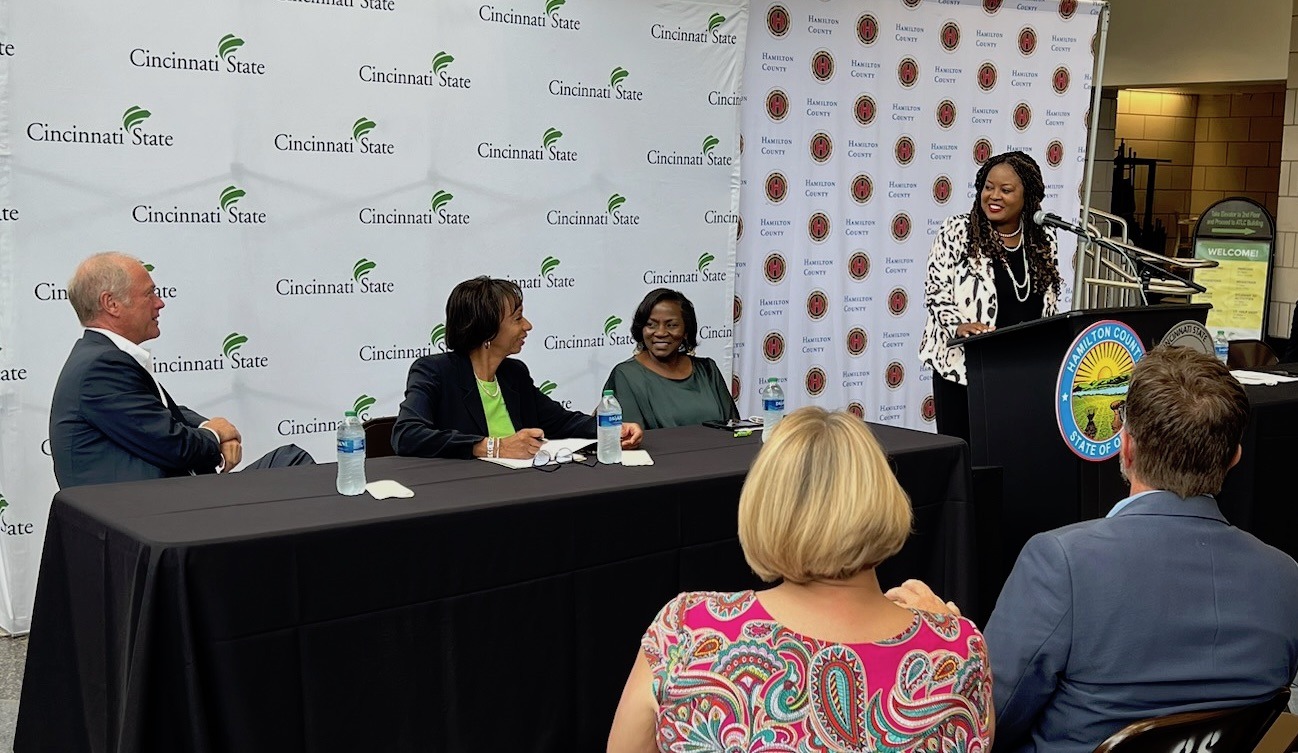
x=656 y=402
x=493 y=404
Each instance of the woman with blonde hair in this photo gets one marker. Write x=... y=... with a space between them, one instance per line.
x=823 y=660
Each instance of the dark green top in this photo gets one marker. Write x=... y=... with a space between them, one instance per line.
x=656 y=402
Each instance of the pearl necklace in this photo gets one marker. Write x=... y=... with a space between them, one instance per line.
x=1016 y=232
x=1026 y=286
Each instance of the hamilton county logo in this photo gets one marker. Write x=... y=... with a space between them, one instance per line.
x=777 y=105
x=946 y=113
x=901 y=227
x=1060 y=80
x=1092 y=388
x=1067 y=8
x=822 y=65
x=1027 y=40
x=1055 y=153
x=736 y=387
x=907 y=72
x=894 y=375
x=822 y=147
x=817 y=305
x=867 y=29
x=777 y=20
x=987 y=76
x=950 y=36
x=818 y=227
x=862 y=188
x=858 y=265
x=739 y=227
x=773 y=346
x=991 y=6
x=865 y=110
x=774 y=268
x=1022 y=116
x=738 y=308
x=777 y=187
x=898 y=301
x=857 y=340
x=911 y=3
x=856 y=409
x=927 y=410
x=904 y=151
x=815 y=381
x=941 y=189
x=982 y=151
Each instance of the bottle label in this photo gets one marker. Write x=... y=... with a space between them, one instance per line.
x=348 y=446
x=607 y=420
x=773 y=403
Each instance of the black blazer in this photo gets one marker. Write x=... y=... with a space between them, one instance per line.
x=108 y=424
x=442 y=415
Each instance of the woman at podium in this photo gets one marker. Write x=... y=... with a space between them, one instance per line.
x=989 y=268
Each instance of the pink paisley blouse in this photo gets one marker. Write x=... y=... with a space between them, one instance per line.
x=728 y=677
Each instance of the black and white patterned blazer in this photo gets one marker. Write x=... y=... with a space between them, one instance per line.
x=958 y=289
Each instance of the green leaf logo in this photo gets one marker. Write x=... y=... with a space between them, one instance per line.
x=551 y=135
x=3 y=503
x=615 y=202
x=149 y=268
x=611 y=324
x=361 y=268
x=441 y=60
x=233 y=342
x=548 y=265
x=547 y=387
x=361 y=127
x=134 y=116
x=710 y=143
x=363 y=403
x=553 y=5
x=230 y=196
x=229 y=43
x=438 y=337
x=716 y=20
x=440 y=199
x=618 y=75
x=705 y=259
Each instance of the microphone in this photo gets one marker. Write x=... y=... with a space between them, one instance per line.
x=1042 y=218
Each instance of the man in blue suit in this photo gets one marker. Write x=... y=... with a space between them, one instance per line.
x=1162 y=607
x=110 y=419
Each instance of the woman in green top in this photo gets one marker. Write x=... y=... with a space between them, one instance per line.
x=664 y=384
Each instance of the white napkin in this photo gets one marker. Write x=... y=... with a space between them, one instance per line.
x=636 y=457
x=385 y=488
x=1259 y=378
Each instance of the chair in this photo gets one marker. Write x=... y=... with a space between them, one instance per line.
x=1237 y=729
x=1251 y=354
x=378 y=436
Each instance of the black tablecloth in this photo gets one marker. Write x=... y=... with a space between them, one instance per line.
x=1259 y=492
x=497 y=610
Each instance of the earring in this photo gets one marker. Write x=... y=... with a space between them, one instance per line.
x=486 y=345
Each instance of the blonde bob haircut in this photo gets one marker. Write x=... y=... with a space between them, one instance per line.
x=820 y=502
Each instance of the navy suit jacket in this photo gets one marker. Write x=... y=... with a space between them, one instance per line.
x=1161 y=609
x=442 y=415
x=108 y=424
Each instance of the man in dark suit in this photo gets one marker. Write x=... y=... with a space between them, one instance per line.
x=1162 y=607
x=110 y=419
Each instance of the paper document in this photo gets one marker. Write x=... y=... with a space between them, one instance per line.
x=552 y=446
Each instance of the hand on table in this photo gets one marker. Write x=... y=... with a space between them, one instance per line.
x=522 y=445
x=631 y=436
x=915 y=594
x=231 y=455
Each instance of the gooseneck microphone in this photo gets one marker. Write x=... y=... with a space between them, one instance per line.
x=1042 y=218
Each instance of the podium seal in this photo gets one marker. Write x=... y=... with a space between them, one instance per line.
x=1092 y=388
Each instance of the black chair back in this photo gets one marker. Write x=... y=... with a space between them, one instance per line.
x=378 y=436
x=1237 y=729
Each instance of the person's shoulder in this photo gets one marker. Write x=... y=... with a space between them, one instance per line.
x=436 y=362
x=945 y=627
x=629 y=366
x=690 y=606
x=705 y=363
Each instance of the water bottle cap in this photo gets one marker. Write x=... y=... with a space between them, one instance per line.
x=349 y=414
x=608 y=393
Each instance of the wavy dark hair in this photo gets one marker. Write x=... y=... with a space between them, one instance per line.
x=983 y=239
x=475 y=309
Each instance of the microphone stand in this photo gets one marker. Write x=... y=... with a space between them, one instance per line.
x=1143 y=267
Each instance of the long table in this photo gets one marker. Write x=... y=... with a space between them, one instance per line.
x=1258 y=493
x=496 y=610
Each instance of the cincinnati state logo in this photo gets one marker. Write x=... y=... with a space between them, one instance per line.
x=946 y=113
x=822 y=147
x=927 y=410
x=1067 y=8
x=901 y=227
x=1059 y=80
x=856 y=409
x=898 y=301
x=815 y=381
x=736 y=387
x=1055 y=153
x=987 y=76
x=773 y=346
x=777 y=20
x=907 y=72
x=982 y=151
x=777 y=187
x=817 y=305
x=865 y=110
x=862 y=188
x=867 y=29
x=950 y=36
x=857 y=340
x=822 y=65
x=858 y=265
x=1027 y=40
x=1092 y=388
x=818 y=226
x=904 y=151
x=777 y=105
x=991 y=6
x=1022 y=116
x=894 y=375
x=774 y=268
x=738 y=308
x=941 y=189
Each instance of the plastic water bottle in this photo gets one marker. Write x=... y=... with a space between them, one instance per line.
x=351 y=455
x=609 y=432
x=772 y=406
x=1221 y=346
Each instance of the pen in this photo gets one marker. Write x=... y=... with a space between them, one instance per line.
x=743 y=433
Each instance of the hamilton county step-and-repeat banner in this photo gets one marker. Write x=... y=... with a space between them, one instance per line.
x=308 y=179
x=864 y=126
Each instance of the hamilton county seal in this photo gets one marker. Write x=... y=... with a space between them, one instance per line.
x=1092 y=388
